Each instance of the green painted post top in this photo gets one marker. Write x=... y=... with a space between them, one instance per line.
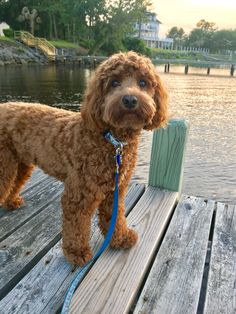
x=167 y=156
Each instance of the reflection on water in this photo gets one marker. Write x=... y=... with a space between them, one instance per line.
x=208 y=103
x=46 y=84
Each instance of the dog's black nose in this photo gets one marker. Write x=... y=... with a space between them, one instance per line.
x=130 y=101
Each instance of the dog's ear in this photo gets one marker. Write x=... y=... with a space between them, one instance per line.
x=91 y=110
x=161 y=101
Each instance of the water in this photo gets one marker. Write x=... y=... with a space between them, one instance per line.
x=207 y=103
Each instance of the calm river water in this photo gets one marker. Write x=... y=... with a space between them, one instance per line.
x=208 y=103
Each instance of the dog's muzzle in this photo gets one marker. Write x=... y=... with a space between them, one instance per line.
x=130 y=101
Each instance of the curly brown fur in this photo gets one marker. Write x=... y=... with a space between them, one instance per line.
x=70 y=147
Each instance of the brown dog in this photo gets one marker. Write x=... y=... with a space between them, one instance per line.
x=125 y=95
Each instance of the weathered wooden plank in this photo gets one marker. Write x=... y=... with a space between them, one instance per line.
x=112 y=283
x=221 y=288
x=43 y=289
x=37 y=177
x=174 y=282
x=22 y=250
x=35 y=290
x=36 y=199
x=167 y=157
x=136 y=190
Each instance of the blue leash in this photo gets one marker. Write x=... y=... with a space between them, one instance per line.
x=118 y=157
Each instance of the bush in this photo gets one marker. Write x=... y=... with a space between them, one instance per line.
x=8 y=32
x=112 y=47
x=85 y=43
x=136 y=44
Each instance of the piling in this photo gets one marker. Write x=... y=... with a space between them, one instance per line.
x=167 y=157
x=186 y=69
x=167 y=68
x=232 y=70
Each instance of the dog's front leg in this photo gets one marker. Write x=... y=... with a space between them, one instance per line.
x=123 y=236
x=79 y=203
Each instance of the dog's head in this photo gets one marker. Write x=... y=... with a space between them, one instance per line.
x=125 y=92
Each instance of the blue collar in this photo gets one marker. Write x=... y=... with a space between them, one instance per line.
x=111 y=139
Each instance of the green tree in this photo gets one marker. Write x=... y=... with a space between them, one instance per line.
x=99 y=24
x=177 y=34
x=224 y=40
x=52 y=16
x=196 y=38
x=208 y=26
x=202 y=36
x=117 y=23
x=32 y=17
x=9 y=11
x=136 y=44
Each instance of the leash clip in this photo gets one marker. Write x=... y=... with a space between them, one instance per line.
x=118 y=157
x=119 y=146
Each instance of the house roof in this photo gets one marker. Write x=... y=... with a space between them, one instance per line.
x=155 y=15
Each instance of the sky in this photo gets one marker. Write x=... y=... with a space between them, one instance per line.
x=186 y=13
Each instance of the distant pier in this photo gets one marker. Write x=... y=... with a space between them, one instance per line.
x=231 y=67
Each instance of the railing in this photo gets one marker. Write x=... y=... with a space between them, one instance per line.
x=41 y=43
x=46 y=46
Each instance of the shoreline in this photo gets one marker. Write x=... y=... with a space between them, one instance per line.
x=16 y=53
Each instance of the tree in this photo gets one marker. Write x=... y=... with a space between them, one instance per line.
x=196 y=38
x=141 y=8
x=8 y=13
x=136 y=44
x=100 y=24
x=224 y=40
x=32 y=17
x=204 y=25
x=118 y=22
x=177 y=34
x=202 y=35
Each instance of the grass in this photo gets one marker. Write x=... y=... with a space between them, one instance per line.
x=176 y=54
x=3 y=38
x=158 y=53
x=63 y=44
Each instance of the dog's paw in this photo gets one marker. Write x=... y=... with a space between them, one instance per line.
x=79 y=256
x=125 y=241
x=13 y=203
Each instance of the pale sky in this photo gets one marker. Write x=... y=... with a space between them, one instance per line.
x=186 y=14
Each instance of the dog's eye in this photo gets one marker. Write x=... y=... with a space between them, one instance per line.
x=142 y=83
x=115 y=83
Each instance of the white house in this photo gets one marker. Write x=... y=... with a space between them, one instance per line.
x=148 y=31
x=3 y=26
x=165 y=43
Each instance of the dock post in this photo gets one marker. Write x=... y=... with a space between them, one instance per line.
x=167 y=156
x=168 y=67
x=186 y=69
x=232 y=70
x=208 y=70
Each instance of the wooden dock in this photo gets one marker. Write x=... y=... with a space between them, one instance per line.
x=207 y=66
x=184 y=262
